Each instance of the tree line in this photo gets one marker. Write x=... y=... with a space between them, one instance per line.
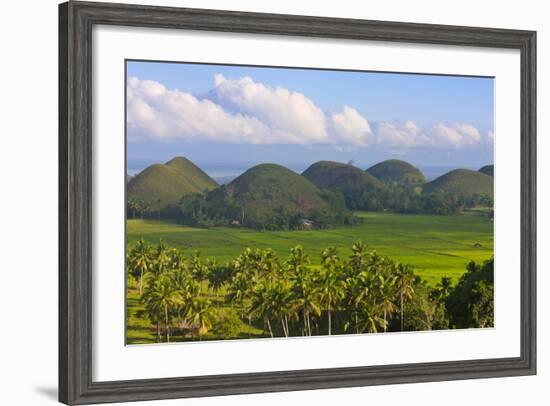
x=362 y=293
x=208 y=209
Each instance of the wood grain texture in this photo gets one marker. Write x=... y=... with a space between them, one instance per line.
x=76 y=20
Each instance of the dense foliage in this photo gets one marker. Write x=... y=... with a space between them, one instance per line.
x=402 y=199
x=471 y=303
x=198 y=297
x=267 y=197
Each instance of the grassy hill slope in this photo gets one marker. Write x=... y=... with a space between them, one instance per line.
x=167 y=183
x=193 y=173
x=264 y=192
x=462 y=182
x=397 y=171
x=359 y=188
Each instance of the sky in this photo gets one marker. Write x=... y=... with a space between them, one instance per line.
x=229 y=118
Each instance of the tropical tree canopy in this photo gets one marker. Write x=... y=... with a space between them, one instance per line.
x=364 y=292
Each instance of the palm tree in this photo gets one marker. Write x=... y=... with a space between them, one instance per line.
x=357 y=291
x=305 y=293
x=266 y=264
x=178 y=261
x=131 y=206
x=216 y=276
x=198 y=268
x=188 y=287
x=202 y=313
x=443 y=289
x=281 y=299
x=243 y=263
x=307 y=301
x=141 y=260
x=240 y=289
x=155 y=316
x=162 y=256
x=297 y=259
x=162 y=296
x=357 y=280
x=386 y=290
x=369 y=317
x=330 y=283
x=405 y=287
x=297 y=263
x=375 y=263
x=359 y=257
x=262 y=304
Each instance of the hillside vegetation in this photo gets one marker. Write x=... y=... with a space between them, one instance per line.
x=272 y=197
x=162 y=185
x=360 y=189
x=267 y=196
x=462 y=182
x=395 y=171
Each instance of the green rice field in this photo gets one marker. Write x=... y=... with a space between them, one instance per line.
x=435 y=246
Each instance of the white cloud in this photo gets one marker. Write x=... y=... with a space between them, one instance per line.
x=244 y=111
x=401 y=135
x=453 y=135
x=155 y=112
x=293 y=117
x=350 y=127
x=407 y=135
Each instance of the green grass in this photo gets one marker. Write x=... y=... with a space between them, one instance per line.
x=341 y=177
x=168 y=182
x=462 y=182
x=436 y=246
x=395 y=170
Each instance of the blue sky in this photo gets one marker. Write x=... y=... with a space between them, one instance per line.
x=226 y=118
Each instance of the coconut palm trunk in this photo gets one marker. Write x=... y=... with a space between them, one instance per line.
x=401 y=311
x=283 y=326
x=329 y=321
x=167 y=325
x=286 y=324
x=269 y=327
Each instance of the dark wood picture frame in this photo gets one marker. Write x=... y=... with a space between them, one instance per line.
x=76 y=20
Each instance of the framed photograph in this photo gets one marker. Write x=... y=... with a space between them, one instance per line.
x=260 y=202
